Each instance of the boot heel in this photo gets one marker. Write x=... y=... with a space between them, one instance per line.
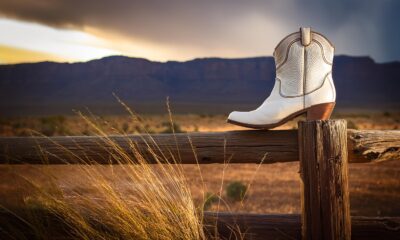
x=320 y=111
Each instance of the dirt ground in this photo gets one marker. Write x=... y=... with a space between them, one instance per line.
x=274 y=188
x=77 y=125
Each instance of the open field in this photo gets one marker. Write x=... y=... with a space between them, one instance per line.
x=275 y=188
x=374 y=188
x=117 y=124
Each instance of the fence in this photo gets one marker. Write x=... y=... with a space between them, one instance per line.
x=324 y=149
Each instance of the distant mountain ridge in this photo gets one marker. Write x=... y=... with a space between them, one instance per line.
x=199 y=85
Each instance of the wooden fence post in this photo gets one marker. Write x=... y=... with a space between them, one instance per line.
x=324 y=175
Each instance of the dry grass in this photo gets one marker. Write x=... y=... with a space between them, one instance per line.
x=75 y=125
x=154 y=203
x=165 y=201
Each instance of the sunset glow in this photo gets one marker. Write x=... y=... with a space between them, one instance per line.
x=28 y=42
x=159 y=30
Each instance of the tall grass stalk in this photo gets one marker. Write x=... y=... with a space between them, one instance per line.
x=157 y=205
x=160 y=206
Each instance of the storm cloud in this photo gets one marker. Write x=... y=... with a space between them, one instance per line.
x=212 y=27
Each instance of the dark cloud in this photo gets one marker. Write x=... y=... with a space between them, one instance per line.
x=356 y=27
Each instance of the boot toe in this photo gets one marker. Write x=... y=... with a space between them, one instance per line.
x=237 y=117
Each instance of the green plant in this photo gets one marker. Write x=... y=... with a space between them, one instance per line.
x=236 y=191
x=209 y=200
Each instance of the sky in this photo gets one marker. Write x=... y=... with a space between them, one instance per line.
x=162 y=30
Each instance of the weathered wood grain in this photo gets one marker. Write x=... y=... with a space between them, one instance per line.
x=324 y=175
x=234 y=146
x=373 y=145
x=288 y=226
x=240 y=147
x=250 y=226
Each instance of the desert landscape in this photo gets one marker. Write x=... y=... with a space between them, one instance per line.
x=114 y=120
x=271 y=188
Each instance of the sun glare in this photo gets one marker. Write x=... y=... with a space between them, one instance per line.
x=39 y=43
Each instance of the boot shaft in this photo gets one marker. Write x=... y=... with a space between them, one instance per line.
x=303 y=83
x=303 y=62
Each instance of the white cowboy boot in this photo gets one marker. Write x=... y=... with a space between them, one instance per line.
x=303 y=83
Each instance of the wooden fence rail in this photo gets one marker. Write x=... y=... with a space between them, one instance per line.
x=323 y=148
x=250 y=226
x=242 y=146
x=289 y=226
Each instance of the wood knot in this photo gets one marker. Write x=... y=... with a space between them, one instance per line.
x=339 y=192
x=391 y=149
x=357 y=136
x=372 y=155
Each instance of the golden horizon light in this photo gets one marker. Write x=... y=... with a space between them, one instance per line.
x=32 y=42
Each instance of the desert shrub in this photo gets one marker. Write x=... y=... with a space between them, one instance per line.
x=52 y=125
x=209 y=200
x=168 y=128
x=387 y=114
x=236 y=191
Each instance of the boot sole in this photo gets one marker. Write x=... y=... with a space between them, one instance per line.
x=321 y=111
